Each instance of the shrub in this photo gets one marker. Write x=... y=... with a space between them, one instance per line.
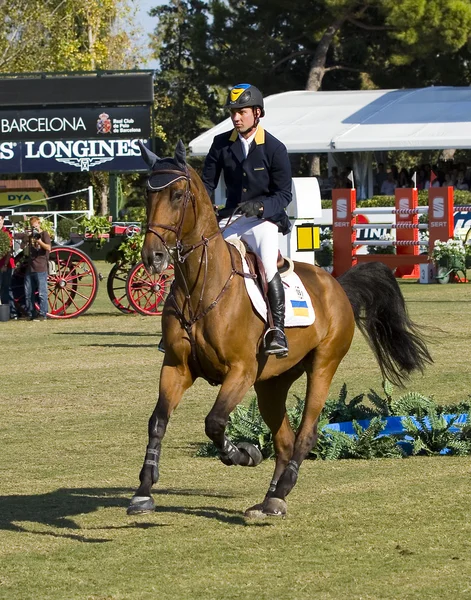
x=423 y=420
x=63 y=228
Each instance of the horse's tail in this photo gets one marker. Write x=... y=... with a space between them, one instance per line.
x=381 y=315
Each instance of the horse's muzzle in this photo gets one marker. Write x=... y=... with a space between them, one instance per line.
x=155 y=262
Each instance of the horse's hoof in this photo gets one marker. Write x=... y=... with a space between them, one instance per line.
x=255 y=512
x=275 y=507
x=141 y=505
x=254 y=456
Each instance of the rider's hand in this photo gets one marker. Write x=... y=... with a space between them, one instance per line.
x=251 y=208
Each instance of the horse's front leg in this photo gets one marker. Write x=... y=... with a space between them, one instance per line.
x=233 y=389
x=173 y=383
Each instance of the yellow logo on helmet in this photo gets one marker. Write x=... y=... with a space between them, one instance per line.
x=237 y=91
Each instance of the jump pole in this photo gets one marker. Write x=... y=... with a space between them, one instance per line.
x=408 y=258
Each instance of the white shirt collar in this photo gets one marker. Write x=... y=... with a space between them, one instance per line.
x=247 y=141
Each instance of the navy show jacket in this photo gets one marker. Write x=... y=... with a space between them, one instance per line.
x=265 y=174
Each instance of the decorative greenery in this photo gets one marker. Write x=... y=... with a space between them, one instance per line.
x=47 y=225
x=425 y=425
x=432 y=434
x=449 y=254
x=129 y=251
x=324 y=256
x=389 y=249
x=96 y=226
x=5 y=243
x=365 y=444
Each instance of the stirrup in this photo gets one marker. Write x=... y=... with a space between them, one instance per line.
x=161 y=347
x=280 y=351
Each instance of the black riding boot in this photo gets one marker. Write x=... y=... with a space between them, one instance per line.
x=275 y=339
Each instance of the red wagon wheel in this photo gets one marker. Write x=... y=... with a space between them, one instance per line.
x=72 y=283
x=146 y=291
x=116 y=287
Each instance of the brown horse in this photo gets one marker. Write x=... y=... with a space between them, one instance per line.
x=210 y=330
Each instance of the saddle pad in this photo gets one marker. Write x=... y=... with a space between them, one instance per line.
x=299 y=311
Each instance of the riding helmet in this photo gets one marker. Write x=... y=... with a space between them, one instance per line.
x=243 y=95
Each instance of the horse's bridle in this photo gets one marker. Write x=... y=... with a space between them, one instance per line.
x=181 y=253
x=179 y=249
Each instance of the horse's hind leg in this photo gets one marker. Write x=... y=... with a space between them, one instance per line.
x=173 y=383
x=271 y=397
x=320 y=371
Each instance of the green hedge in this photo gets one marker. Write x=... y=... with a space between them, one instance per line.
x=460 y=197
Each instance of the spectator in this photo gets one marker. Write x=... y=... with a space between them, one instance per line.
x=325 y=184
x=460 y=182
x=395 y=171
x=380 y=178
x=7 y=264
x=404 y=179
x=37 y=246
x=389 y=185
x=448 y=181
x=334 y=178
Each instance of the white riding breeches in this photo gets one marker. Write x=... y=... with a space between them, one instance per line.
x=261 y=236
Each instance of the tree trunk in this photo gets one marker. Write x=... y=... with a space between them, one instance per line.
x=316 y=74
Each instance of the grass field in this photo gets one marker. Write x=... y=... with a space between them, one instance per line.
x=75 y=397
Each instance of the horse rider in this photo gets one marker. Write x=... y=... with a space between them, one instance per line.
x=257 y=175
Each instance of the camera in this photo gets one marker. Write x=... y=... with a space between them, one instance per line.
x=35 y=234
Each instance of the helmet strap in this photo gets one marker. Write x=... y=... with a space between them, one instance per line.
x=255 y=123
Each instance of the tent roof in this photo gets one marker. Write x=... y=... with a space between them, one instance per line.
x=413 y=119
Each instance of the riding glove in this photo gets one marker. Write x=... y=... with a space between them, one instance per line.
x=251 y=208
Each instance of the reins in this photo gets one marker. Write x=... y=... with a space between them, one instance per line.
x=180 y=252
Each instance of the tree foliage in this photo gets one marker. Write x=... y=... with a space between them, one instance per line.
x=59 y=35
x=185 y=101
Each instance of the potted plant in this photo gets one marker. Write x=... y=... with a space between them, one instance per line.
x=96 y=227
x=450 y=254
x=324 y=256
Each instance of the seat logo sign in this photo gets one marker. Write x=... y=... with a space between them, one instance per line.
x=341 y=208
x=403 y=205
x=438 y=208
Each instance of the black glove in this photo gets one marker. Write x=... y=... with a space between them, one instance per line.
x=251 y=208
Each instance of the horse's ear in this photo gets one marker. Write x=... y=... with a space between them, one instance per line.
x=148 y=155
x=180 y=154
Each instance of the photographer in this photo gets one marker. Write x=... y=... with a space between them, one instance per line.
x=7 y=264
x=37 y=245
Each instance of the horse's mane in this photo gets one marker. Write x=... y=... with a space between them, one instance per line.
x=197 y=182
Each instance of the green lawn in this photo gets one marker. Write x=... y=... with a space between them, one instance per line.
x=74 y=403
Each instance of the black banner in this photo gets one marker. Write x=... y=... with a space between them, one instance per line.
x=75 y=123
x=77 y=90
x=56 y=156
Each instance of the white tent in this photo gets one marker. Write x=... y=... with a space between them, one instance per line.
x=360 y=121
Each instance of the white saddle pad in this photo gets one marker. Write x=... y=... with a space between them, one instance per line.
x=299 y=311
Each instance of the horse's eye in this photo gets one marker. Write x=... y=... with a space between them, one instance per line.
x=177 y=195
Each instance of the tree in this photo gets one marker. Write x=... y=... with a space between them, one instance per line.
x=319 y=44
x=185 y=101
x=59 y=35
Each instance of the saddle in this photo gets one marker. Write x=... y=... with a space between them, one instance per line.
x=256 y=268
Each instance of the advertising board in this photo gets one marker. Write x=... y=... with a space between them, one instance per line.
x=55 y=156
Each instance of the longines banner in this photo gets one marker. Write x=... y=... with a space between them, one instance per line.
x=55 y=156
x=75 y=123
